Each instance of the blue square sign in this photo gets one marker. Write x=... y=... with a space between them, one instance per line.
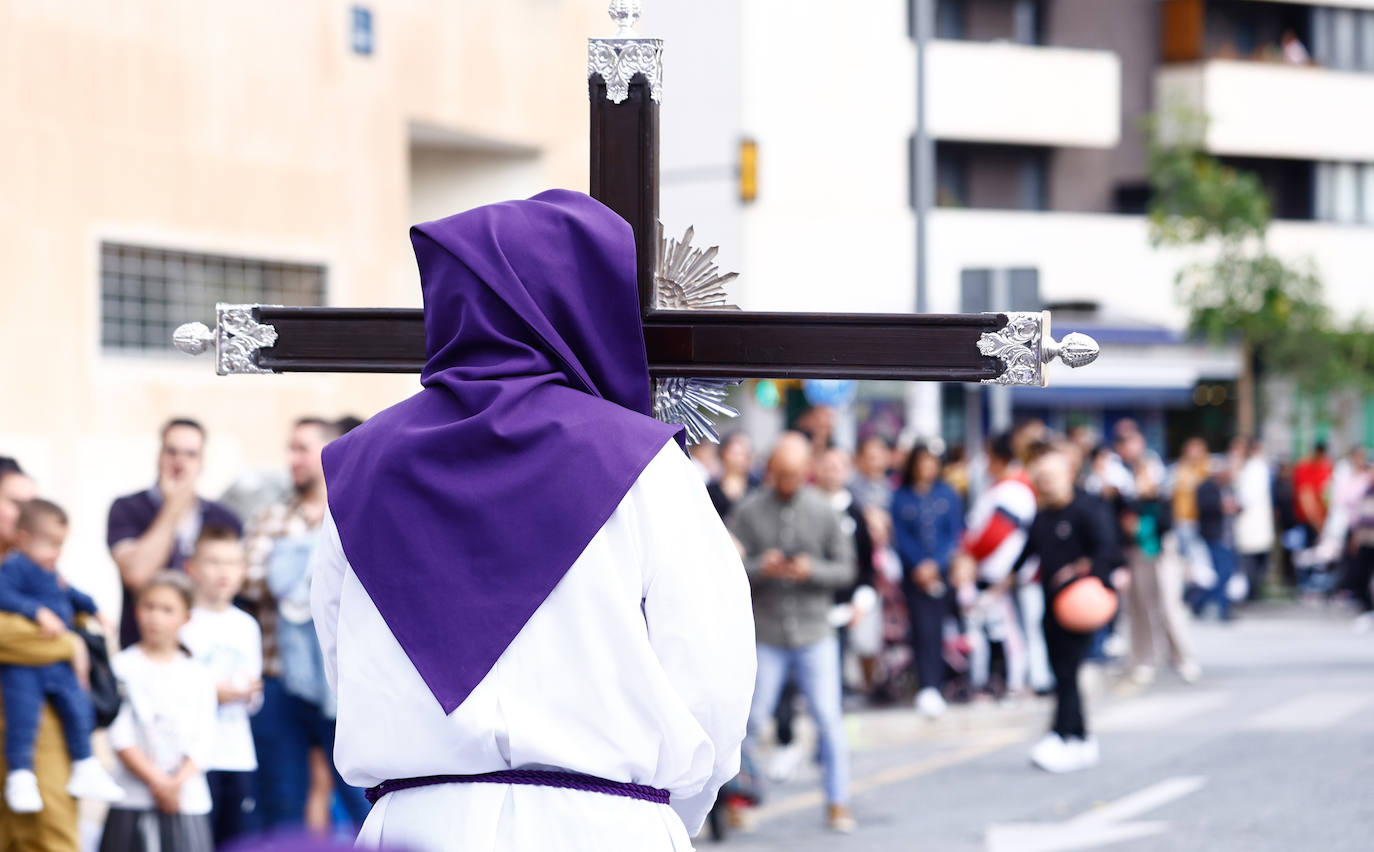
x=362 y=30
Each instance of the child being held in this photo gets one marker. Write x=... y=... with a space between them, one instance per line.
x=164 y=734
x=228 y=642
x=29 y=586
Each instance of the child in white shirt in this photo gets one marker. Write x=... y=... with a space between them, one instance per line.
x=228 y=642
x=165 y=731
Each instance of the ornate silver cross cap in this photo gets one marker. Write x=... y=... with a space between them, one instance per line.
x=625 y=13
x=619 y=58
x=237 y=337
x=1025 y=346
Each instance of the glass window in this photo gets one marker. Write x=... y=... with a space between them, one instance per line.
x=949 y=18
x=145 y=292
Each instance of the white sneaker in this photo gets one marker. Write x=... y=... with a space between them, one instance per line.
x=1143 y=675
x=90 y=781
x=930 y=703
x=1053 y=754
x=783 y=765
x=1189 y=671
x=1085 y=751
x=21 y=792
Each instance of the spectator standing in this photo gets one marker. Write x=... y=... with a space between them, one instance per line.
x=736 y=473
x=164 y=733
x=298 y=706
x=23 y=643
x=16 y=489
x=1192 y=468
x=1216 y=507
x=155 y=529
x=1311 y=478
x=1154 y=598
x=797 y=557
x=1255 y=520
x=863 y=631
x=997 y=525
x=1362 y=564
x=1071 y=538
x=29 y=586
x=872 y=482
x=927 y=519
x=228 y=642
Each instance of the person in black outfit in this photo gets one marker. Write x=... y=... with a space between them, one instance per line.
x=1072 y=538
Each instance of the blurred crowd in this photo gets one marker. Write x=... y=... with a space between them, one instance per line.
x=897 y=575
x=215 y=704
x=883 y=576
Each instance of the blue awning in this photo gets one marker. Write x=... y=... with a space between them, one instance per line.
x=1090 y=397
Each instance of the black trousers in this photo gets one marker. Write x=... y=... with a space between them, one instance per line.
x=927 y=613
x=1067 y=650
x=1361 y=573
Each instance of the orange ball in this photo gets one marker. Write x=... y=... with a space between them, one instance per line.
x=1085 y=605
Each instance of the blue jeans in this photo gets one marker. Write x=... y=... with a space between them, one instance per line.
x=283 y=731
x=25 y=690
x=816 y=671
x=1224 y=563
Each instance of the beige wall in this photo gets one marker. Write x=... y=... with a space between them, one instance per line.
x=250 y=128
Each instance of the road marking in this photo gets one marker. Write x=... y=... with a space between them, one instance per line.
x=1313 y=712
x=1098 y=827
x=892 y=775
x=1155 y=712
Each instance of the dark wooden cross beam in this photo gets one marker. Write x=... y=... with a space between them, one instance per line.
x=689 y=331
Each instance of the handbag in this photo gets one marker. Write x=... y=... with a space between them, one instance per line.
x=106 y=694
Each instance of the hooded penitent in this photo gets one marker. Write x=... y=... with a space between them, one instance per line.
x=462 y=507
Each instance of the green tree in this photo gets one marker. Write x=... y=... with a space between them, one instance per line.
x=1239 y=290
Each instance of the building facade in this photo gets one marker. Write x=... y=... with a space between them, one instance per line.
x=1036 y=109
x=157 y=157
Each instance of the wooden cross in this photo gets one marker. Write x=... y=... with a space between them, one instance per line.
x=696 y=343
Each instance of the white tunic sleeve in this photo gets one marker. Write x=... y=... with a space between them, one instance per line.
x=700 y=620
x=328 y=565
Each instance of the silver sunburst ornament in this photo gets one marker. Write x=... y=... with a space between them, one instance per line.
x=687 y=280
x=691 y=402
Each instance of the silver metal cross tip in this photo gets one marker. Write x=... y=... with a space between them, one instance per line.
x=193 y=338
x=1075 y=350
x=625 y=13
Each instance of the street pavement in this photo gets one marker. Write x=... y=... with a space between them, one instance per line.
x=1272 y=750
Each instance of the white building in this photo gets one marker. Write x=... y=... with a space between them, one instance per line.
x=1035 y=109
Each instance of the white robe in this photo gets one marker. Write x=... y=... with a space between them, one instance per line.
x=638 y=667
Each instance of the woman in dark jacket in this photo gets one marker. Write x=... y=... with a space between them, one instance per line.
x=927 y=521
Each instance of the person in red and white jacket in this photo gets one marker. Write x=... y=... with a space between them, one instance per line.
x=995 y=536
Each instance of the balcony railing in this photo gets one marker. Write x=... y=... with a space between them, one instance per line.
x=1023 y=95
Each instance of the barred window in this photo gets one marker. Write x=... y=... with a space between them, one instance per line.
x=145 y=293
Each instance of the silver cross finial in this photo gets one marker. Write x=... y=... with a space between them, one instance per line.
x=625 y=13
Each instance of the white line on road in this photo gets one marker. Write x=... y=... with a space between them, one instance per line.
x=1314 y=712
x=1157 y=712
x=893 y=775
x=1098 y=827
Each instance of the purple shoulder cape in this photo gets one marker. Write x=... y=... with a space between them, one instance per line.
x=461 y=508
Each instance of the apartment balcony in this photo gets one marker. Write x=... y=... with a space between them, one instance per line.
x=1107 y=258
x=1269 y=109
x=1017 y=94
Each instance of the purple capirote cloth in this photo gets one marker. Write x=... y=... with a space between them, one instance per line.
x=461 y=508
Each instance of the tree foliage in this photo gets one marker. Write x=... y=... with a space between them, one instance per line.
x=1241 y=290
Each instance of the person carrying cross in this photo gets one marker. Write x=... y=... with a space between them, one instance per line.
x=538 y=628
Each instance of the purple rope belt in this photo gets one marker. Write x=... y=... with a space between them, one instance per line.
x=528 y=777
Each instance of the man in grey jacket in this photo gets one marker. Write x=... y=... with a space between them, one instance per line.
x=797 y=556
